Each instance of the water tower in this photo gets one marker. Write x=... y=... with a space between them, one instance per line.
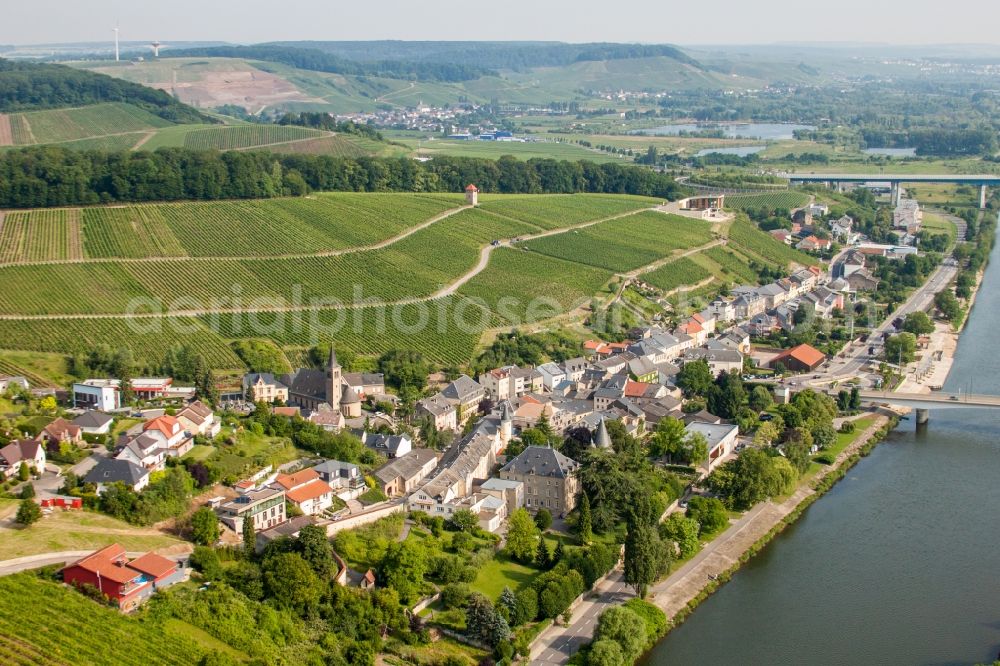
x=156 y=48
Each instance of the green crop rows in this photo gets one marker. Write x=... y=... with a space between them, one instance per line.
x=562 y=210
x=67 y=628
x=746 y=236
x=246 y=136
x=679 y=273
x=111 y=143
x=735 y=268
x=522 y=287
x=625 y=243
x=337 y=146
x=84 y=122
x=784 y=200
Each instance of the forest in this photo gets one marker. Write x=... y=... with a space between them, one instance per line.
x=31 y=86
x=51 y=176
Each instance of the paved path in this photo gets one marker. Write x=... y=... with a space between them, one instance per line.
x=8 y=567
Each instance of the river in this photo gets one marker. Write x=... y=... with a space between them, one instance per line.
x=898 y=564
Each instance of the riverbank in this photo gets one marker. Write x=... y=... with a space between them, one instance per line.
x=683 y=590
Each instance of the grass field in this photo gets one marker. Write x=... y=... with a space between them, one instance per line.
x=670 y=276
x=496 y=149
x=66 y=628
x=938 y=224
x=75 y=530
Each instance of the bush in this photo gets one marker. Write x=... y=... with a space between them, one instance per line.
x=28 y=513
x=543 y=518
x=206 y=560
x=454 y=595
x=526 y=606
x=848 y=427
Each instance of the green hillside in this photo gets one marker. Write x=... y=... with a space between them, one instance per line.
x=98 y=120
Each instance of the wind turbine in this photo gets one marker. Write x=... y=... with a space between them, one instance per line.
x=115 y=29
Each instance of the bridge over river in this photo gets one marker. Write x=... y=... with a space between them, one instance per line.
x=895 y=180
x=923 y=402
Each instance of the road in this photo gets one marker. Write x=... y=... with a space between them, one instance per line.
x=8 y=567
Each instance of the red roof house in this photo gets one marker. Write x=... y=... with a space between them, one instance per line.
x=803 y=358
x=128 y=583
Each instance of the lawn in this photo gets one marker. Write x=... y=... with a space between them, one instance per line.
x=75 y=530
x=501 y=572
x=200 y=452
x=939 y=224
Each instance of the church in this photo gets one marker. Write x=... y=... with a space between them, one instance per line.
x=323 y=390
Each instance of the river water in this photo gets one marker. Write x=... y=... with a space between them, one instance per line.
x=898 y=564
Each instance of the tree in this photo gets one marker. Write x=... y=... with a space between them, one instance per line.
x=314 y=546
x=48 y=404
x=543 y=518
x=918 y=323
x=709 y=512
x=695 y=451
x=683 y=531
x=559 y=553
x=901 y=348
x=797 y=448
x=948 y=305
x=206 y=560
x=823 y=435
x=584 y=526
x=643 y=557
x=403 y=568
x=464 y=520
x=767 y=433
x=727 y=395
x=855 y=398
x=750 y=478
x=543 y=557
x=605 y=652
x=507 y=603
x=527 y=606
x=483 y=622
x=204 y=527
x=291 y=583
x=23 y=472
x=695 y=378
x=522 y=535
x=249 y=539
x=28 y=512
x=760 y=398
x=404 y=368
x=668 y=438
x=623 y=626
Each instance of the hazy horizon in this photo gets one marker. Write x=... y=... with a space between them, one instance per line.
x=767 y=23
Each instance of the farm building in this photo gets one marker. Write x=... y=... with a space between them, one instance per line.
x=803 y=358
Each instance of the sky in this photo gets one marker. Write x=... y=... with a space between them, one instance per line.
x=647 y=21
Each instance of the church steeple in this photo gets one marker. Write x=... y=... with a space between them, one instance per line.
x=334 y=381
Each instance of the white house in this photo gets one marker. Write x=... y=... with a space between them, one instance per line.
x=28 y=451
x=721 y=438
x=306 y=490
x=100 y=394
x=94 y=423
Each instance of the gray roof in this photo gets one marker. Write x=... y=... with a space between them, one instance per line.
x=506 y=414
x=436 y=404
x=92 y=419
x=462 y=389
x=387 y=443
x=541 y=461
x=364 y=378
x=406 y=466
x=602 y=439
x=110 y=470
x=307 y=382
x=713 y=432
x=251 y=378
x=336 y=469
x=349 y=396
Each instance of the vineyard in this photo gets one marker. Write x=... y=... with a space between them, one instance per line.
x=111 y=143
x=9 y=369
x=732 y=267
x=561 y=210
x=82 y=123
x=521 y=287
x=149 y=340
x=784 y=200
x=245 y=136
x=67 y=628
x=747 y=237
x=625 y=243
x=336 y=146
x=20 y=130
x=670 y=276
x=40 y=235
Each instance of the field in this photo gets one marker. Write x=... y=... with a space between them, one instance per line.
x=325 y=268
x=561 y=210
x=734 y=268
x=246 y=136
x=756 y=244
x=670 y=276
x=522 y=150
x=336 y=146
x=75 y=530
x=66 y=628
x=626 y=243
x=81 y=123
x=785 y=200
x=523 y=287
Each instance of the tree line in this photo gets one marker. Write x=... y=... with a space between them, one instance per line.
x=30 y=86
x=51 y=176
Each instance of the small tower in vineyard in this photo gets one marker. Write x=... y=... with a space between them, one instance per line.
x=471 y=195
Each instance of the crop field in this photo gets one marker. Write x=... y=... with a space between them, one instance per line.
x=40 y=235
x=625 y=243
x=734 y=268
x=522 y=287
x=747 y=237
x=560 y=210
x=445 y=330
x=786 y=200
x=20 y=131
x=149 y=340
x=68 y=628
x=679 y=273
x=84 y=122
x=109 y=143
x=337 y=146
x=246 y=136
x=496 y=149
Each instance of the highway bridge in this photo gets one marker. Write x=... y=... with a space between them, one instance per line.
x=895 y=180
x=922 y=402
